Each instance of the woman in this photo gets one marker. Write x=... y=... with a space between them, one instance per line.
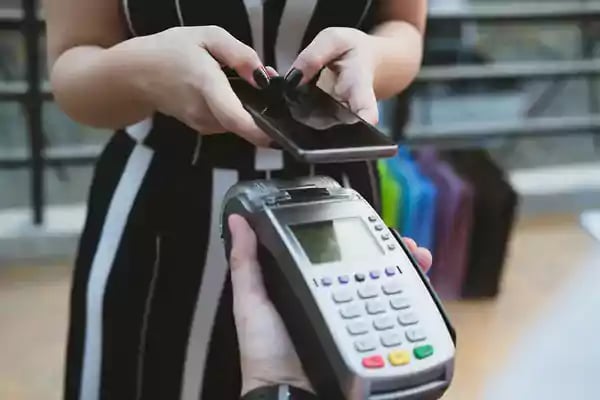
x=151 y=308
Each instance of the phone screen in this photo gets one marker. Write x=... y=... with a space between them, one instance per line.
x=309 y=119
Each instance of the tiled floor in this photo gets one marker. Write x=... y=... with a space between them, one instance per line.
x=545 y=254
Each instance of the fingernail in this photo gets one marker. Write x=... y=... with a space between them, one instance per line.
x=260 y=77
x=294 y=77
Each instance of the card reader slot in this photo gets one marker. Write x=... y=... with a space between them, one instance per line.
x=303 y=195
x=307 y=193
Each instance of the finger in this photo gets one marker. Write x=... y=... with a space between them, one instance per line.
x=424 y=258
x=246 y=277
x=272 y=72
x=201 y=119
x=411 y=244
x=362 y=102
x=227 y=108
x=355 y=86
x=233 y=53
x=208 y=126
x=329 y=45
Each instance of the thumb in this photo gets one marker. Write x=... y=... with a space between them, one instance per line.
x=246 y=277
x=354 y=88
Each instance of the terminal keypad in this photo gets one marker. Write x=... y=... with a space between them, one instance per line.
x=380 y=319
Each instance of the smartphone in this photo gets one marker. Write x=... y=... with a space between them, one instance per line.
x=311 y=125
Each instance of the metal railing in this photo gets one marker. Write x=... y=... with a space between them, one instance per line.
x=32 y=93
x=520 y=70
x=520 y=12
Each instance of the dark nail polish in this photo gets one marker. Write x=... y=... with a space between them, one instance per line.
x=294 y=77
x=275 y=92
x=261 y=78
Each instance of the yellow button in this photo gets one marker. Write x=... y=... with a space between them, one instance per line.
x=399 y=358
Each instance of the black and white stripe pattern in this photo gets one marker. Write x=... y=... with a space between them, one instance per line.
x=104 y=258
x=213 y=280
x=151 y=300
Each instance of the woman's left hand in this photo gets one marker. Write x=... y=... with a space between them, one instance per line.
x=346 y=56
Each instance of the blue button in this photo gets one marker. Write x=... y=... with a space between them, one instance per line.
x=359 y=277
x=344 y=279
x=374 y=274
x=390 y=271
x=326 y=281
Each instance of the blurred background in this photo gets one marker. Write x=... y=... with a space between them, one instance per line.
x=499 y=175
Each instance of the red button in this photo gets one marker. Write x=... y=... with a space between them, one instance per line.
x=373 y=362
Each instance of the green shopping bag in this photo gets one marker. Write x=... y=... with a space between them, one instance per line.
x=391 y=196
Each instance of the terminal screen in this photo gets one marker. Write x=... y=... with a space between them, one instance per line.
x=336 y=240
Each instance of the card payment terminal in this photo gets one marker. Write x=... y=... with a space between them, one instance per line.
x=364 y=320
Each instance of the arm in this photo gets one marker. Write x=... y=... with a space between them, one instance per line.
x=398 y=42
x=92 y=70
x=361 y=67
x=101 y=79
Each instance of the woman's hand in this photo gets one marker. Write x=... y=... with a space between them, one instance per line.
x=348 y=58
x=266 y=350
x=180 y=74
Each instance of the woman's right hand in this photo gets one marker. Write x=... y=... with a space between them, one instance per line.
x=180 y=74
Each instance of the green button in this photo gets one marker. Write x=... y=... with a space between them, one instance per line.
x=422 y=352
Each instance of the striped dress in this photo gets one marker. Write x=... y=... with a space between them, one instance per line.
x=151 y=303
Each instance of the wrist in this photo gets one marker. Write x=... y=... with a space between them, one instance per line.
x=279 y=392
x=398 y=52
x=252 y=384
x=274 y=371
x=138 y=68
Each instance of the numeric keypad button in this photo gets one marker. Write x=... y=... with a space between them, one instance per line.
x=357 y=328
x=383 y=323
x=365 y=344
x=399 y=303
x=350 y=311
x=375 y=307
x=342 y=296
x=373 y=362
x=326 y=281
x=408 y=318
x=392 y=287
x=375 y=274
x=415 y=335
x=368 y=291
x=399 y=357
x=391 y=339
